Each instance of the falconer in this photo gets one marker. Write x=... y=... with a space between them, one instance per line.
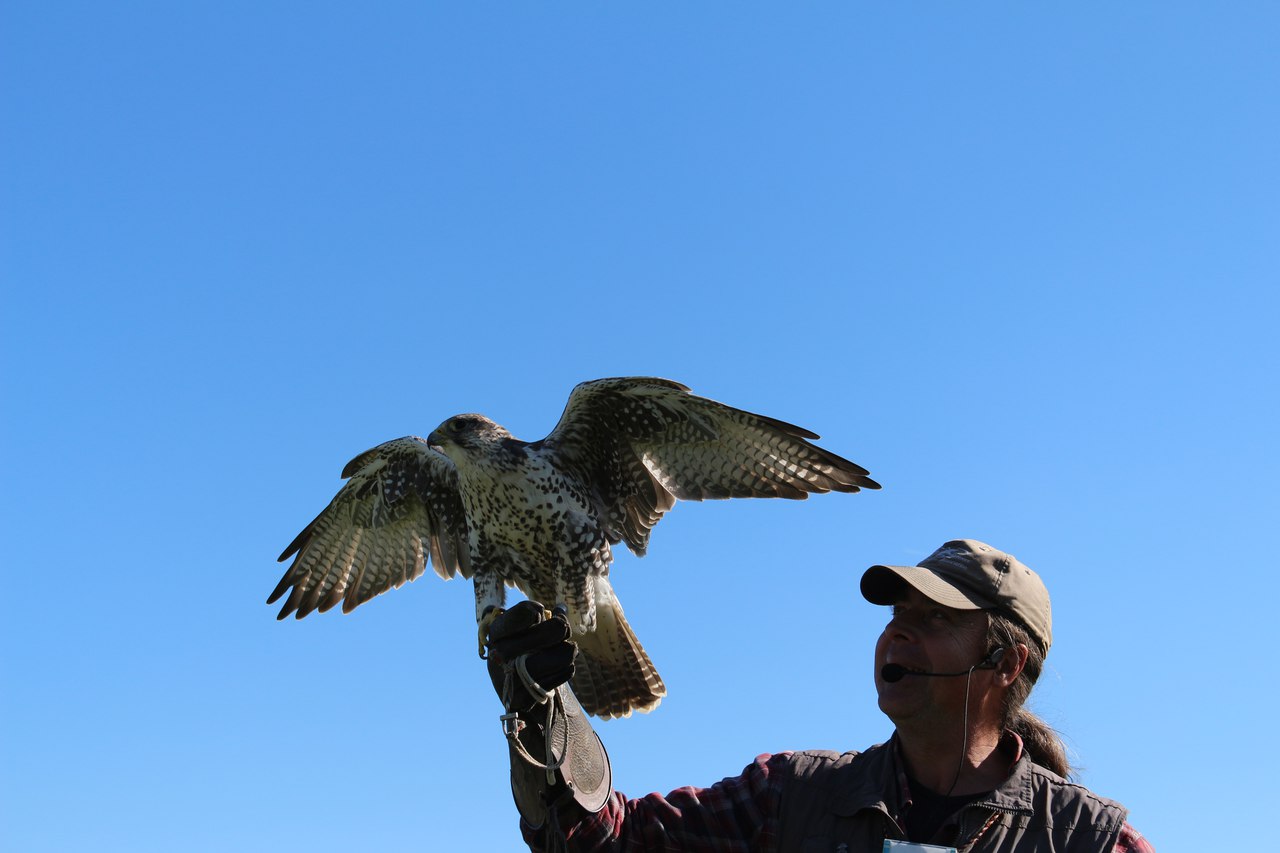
x=967 y=766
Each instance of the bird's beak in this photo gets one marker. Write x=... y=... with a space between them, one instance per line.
x=435 y=441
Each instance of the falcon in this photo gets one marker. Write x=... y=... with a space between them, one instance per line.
x=543 y=516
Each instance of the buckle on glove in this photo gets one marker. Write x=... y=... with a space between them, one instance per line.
x=512 y=725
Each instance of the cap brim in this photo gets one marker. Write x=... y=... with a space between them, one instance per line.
x=883 y=585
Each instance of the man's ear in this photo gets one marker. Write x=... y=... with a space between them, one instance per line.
x=1012 y=664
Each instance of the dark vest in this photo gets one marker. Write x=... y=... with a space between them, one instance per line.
x=852 y=800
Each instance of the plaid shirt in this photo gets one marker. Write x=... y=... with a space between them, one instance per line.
x=736 y=815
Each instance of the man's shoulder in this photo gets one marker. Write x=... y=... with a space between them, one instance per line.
x=825 y=756
x=810 y=763
x=1063 y=801
x=1068 y=787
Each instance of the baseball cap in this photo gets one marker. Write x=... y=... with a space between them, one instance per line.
x=970 y=575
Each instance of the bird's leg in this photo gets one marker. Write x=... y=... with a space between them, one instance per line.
x=490 y=596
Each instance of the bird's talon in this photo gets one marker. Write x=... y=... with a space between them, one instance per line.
x=482 y=628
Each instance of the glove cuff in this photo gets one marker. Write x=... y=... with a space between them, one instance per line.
x=579 y=765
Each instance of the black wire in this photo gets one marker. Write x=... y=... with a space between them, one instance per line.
x=964 y=743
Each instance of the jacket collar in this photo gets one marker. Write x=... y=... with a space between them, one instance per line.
x=876 y=780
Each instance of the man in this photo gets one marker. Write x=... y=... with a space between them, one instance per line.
x=966 y=768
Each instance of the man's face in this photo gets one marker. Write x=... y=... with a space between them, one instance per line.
x=925 y=636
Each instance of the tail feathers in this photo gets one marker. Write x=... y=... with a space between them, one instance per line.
x=613 y=675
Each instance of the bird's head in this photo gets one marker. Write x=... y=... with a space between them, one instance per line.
x=466 y=435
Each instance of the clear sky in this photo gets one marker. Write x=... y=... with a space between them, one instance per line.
x=1018 y=260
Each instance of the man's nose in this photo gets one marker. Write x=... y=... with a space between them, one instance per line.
x=900 y=628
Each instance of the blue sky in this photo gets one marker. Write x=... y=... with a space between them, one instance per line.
x=1020 y=262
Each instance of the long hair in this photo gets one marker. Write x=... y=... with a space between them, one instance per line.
x=1042 y=743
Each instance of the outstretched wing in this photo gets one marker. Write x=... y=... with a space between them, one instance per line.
x=641 y=443
x=399 y=510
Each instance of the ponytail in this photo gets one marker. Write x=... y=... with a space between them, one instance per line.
x=1041 y=742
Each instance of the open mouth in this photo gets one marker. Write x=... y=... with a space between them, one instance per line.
x=906 y=668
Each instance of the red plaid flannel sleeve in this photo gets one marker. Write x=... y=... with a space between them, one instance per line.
x=1131 y=841
x=735 y=815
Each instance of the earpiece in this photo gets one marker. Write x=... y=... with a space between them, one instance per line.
x=993 y=658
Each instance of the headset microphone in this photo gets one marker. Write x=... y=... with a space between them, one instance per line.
x=892 y=672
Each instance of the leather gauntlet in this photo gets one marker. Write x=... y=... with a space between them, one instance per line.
x=557 y=760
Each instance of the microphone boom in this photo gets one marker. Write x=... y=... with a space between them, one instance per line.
x=892 y=673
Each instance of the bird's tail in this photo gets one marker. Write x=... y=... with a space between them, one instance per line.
x=613 y=675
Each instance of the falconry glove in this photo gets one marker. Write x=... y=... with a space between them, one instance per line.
x=556 y=757
x=529 y=648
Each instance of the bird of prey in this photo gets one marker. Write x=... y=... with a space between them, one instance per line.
x=543 y=516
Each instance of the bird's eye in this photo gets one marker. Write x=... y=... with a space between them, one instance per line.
x=454 y=427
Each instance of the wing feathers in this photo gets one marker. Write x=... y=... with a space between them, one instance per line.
x=398 y=511
x=641 y=443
